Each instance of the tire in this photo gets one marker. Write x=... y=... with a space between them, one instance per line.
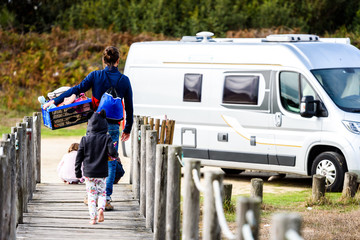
x=332 y=166
x=232 y=171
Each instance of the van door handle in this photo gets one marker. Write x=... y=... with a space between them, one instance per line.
x=278 y=119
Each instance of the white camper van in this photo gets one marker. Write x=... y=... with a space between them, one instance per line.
x=284 y=103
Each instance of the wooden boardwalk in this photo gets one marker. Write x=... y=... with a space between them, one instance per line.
x=57 y=211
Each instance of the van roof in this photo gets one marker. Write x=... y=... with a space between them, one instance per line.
x=315 y=54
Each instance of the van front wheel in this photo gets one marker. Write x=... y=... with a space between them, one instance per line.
x=332 y=166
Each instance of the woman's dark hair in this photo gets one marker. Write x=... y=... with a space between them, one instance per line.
x=111 y=55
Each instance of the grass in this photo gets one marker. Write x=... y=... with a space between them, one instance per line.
x=298 y=201
x=11 y=118
x=78 y=130
x=333 y=218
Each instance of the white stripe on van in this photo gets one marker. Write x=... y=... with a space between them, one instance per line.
x=234 y=124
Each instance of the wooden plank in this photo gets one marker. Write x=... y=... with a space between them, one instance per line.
x=72 y=207
x=83 y=214
x=91 y=232
x=57 y=211
x=78 y=187
x=97 y=227
x=129 y=223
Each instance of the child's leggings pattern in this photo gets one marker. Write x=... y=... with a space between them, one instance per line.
x=96 y=190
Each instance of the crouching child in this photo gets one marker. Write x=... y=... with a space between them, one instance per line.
x=93 y=152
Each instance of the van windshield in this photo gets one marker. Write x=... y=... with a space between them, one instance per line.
x=342 y=85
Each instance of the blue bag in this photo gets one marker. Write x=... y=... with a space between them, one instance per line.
x=112 y=104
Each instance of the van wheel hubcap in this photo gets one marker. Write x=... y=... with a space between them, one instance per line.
x=327 y=169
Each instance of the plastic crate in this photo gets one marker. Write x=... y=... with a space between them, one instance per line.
x=67 y=115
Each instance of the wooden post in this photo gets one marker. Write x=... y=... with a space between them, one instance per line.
x=31 y=184
x=211 y=227
x=37 y=144
x=248 y=212
x=144 y=128
x=157 y=127
x=12 y=170
x=172 y=129
x=136 y=159
x=282 y=223
x=132 y=133
x=5 y=191
x=257 y=188
x=169 y=135
x=151 y=139
x=227 y=193
x=173 y=194
x=318 y=187
x=8 y=212
x=151 y=122
x=191 y=202
x=350 y=185
x=145 y=120
x=29 y=159
x=24 y=146
x=2 y=186
x=162 y=134
x=20 y=135
x=160 y=191
x=168 y=132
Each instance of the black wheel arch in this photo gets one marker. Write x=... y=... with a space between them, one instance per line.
x=318 y=149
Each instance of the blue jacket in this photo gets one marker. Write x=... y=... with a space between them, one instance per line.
x=97 y=81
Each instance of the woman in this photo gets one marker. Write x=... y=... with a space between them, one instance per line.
x=99 y=81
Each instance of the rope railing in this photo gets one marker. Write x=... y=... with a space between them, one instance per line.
x=195 y=176
x=179 y=159
x=214 y=224
x=251 y=222
x=220 y=211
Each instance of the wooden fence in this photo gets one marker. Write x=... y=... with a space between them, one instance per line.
x=156 y=179
x=19 y=172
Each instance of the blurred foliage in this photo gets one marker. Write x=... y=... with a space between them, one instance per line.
x=178 y=18
x=34 y=64
x=47 y=44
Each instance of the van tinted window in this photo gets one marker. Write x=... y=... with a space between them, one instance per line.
x=293 y=86
x=192 y=87
x=241 y=89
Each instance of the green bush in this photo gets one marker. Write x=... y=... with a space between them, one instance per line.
x=178 y=18
x=34 y=64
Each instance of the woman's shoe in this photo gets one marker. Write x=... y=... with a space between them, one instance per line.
x=108 y=206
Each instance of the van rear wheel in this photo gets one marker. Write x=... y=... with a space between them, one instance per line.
x=332 y=166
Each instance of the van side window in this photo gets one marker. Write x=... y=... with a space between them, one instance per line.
x=241 y=89
x=192 y=87
x=293 y=86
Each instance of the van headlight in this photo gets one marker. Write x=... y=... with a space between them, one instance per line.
x=353 y=127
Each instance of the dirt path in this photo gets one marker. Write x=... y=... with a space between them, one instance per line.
x=52 y=150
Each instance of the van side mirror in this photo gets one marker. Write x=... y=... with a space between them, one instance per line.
x=308 y=106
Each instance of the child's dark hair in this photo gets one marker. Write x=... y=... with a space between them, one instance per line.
x=73 y=147
x=111 y=55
